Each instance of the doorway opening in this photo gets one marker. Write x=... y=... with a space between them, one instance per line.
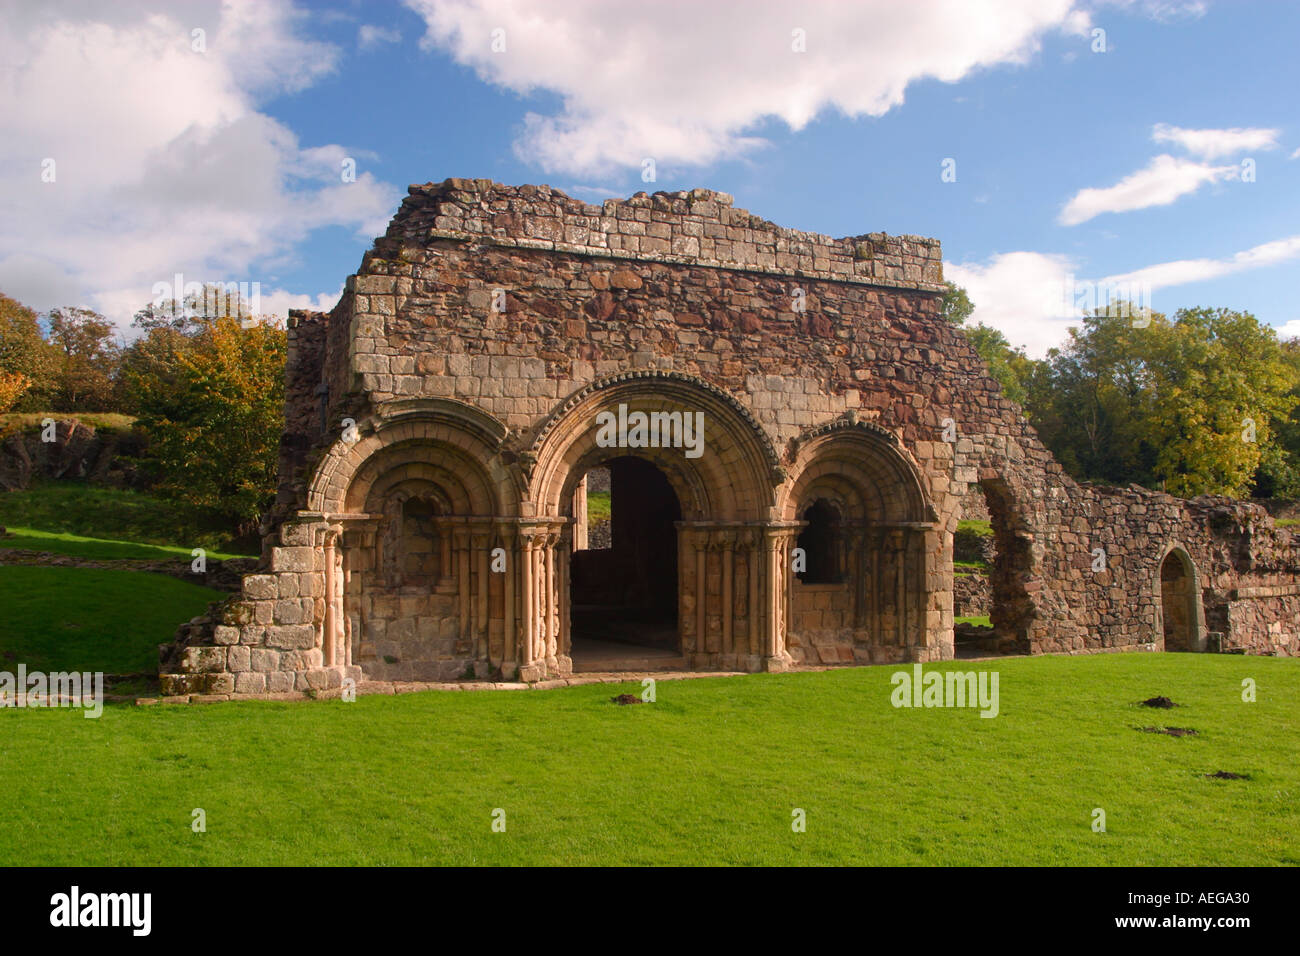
x=1178 y=602
x=623 y=595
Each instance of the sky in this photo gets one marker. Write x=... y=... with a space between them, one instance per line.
x=1063 y=151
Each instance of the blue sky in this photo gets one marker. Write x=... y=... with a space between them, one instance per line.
x=1072 y=165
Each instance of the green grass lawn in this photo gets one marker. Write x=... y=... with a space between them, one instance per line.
x=599 y=506
x=86 y=619
x=91 y=521
x=709 y=774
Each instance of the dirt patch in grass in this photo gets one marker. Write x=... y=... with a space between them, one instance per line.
x=1162 y=702
x=626 y=699
x=1227 y=775
x=1171 y=731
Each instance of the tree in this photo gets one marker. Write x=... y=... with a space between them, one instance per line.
x=1095 y=411
x=957 y=306
x=88 y=359
x=213 y=412
x=1221 y=382
x=24 y=352
x=1010 y=367
x=171 y=328
x=12 y=386
x=1279 y=467
x=1188 y=404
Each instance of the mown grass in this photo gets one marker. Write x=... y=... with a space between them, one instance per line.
x=70 y=517
x=710 y=773
x=86 y=619
x=599 y=506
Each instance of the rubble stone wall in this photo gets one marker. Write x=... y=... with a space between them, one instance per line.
x=469 y=356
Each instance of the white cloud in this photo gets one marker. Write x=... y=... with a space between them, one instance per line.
x=163 y=161
x=370 y=37
x=688 y=82
x=1216 y=143
x=1289 y=330
x=1034 y=297
x=1015 y=293
x=1163 y=180
x=1296 y=154
x=1183 y=271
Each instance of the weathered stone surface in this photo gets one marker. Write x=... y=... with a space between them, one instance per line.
x=460 y=377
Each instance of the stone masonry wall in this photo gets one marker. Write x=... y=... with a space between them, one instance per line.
x=510 y=300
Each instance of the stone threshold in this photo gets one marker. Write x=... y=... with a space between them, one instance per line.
x=391 y=688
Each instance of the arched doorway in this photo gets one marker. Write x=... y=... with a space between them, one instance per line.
x=1180 y=608
x=625 y=593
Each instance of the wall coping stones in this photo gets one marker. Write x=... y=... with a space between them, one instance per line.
x=704 y=230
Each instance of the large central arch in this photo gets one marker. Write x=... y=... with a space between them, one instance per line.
x=734 y=478
x=726 y=493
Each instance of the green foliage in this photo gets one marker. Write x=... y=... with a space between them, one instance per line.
x=1186 y=404
x=1011 y=368
x=1279 y=468
x=213 y=410
x=657 y=784
x=24 y=351
x=957 y=306
x=87 y=359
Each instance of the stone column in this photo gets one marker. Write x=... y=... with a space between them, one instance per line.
x=579 y=537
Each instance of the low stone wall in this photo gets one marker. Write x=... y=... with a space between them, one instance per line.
x=78 y=452
x=972 y=595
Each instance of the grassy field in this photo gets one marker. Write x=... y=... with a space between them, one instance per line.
x=710 y=773
x=87 y=619
x=90 y=521
x=599 y=506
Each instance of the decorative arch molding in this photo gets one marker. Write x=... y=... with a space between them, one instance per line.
x=734 y=478
x=861 y=467
x=458 y=438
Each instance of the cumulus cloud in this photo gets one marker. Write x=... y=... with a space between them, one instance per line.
x=686 y=82
x=1164 y=180
x=370 y=37
x=1216 y=143
x=1018 y=293
x=1183 y=271
x=1033 y=298
x=134 y=149
x=1289 y=330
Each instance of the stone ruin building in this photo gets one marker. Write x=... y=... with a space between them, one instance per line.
x=441 y=420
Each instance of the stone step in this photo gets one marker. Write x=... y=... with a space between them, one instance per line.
x=607 y=665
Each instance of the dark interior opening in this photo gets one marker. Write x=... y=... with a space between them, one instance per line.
x=820 y=542
x=627 y=593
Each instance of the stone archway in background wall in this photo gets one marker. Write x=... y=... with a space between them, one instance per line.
x=1178 y=596
x=728 y=549
x=855 y=493
x=1012 y=609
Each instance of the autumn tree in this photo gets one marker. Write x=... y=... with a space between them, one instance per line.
x=25 y=354
x=87 y=359
x=213 y=411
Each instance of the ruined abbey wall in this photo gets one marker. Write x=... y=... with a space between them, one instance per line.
x=440 y=417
